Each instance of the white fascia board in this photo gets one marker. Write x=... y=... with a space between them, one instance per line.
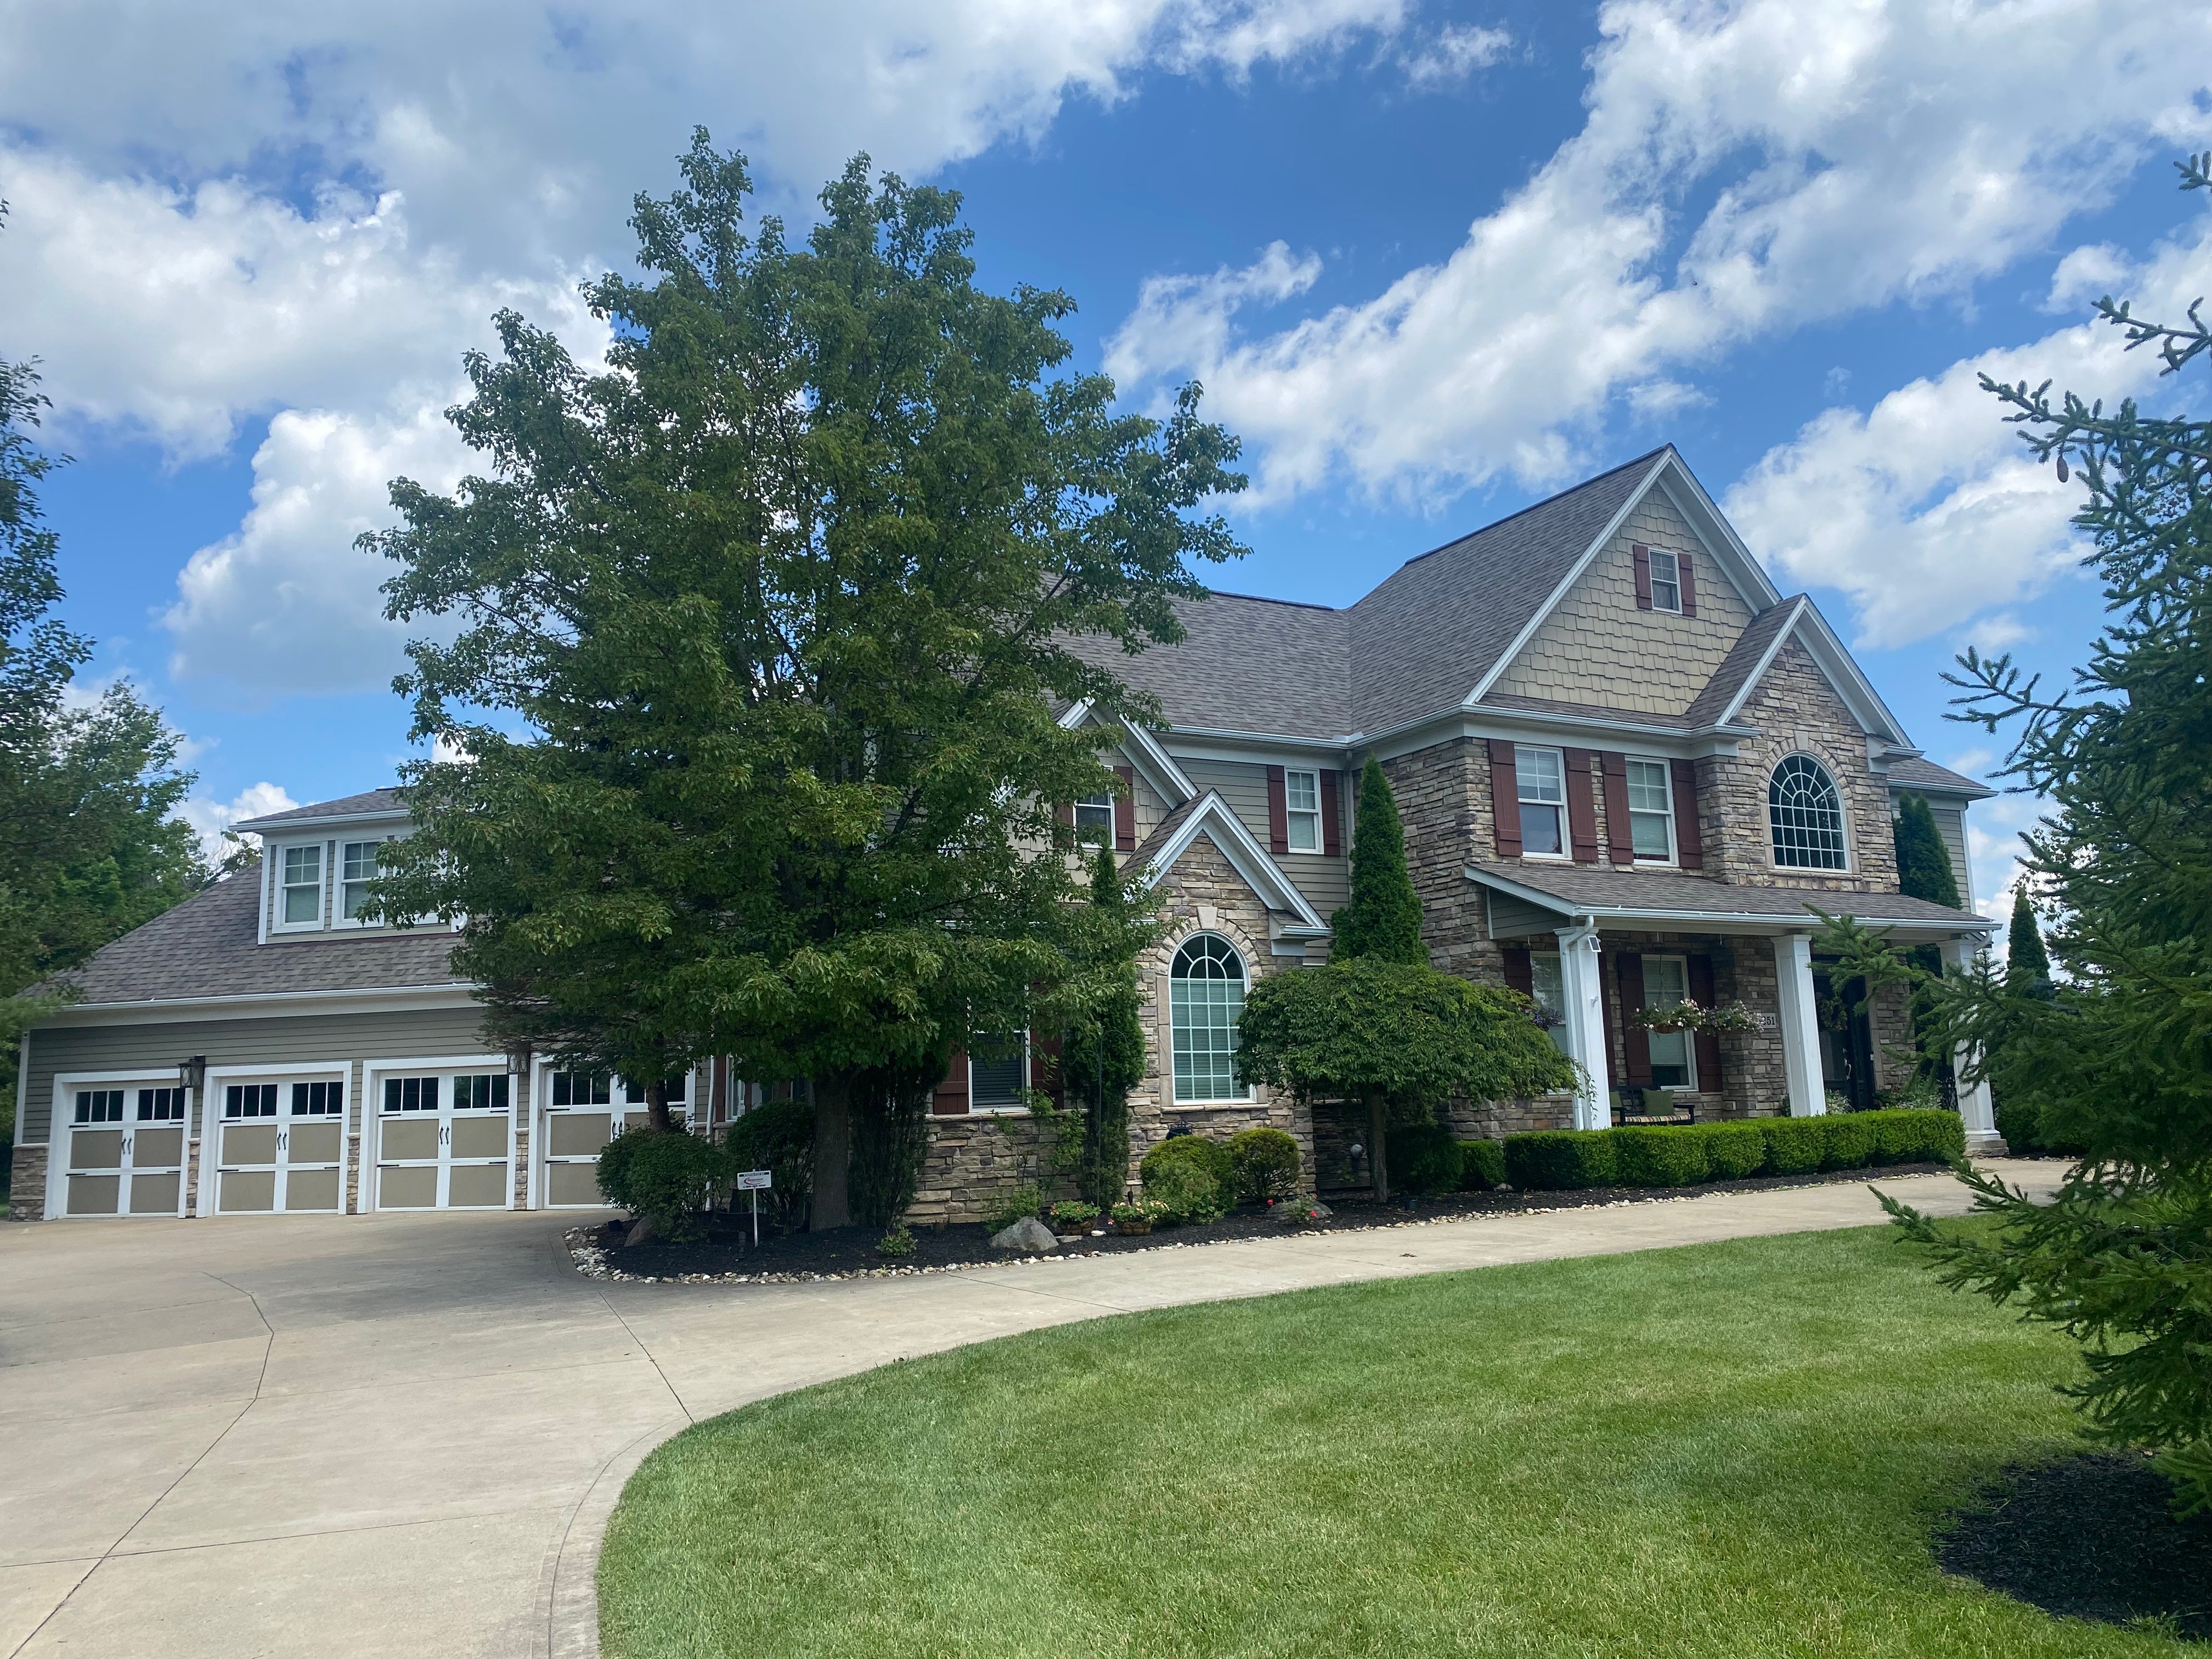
x=1074 y=714
x=1835 y=661
x=281 y=828
x=1567 y=582
x=1738 y=922
x=1245 y=855
x=260 y=1004
x=1765 y=661
x=1219 y=743
x=1713 y=529
x=1155 y=763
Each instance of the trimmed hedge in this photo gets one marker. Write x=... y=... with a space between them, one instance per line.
x=1266 y=1163
x=1556 y=1160
x=1423 y=1157
x=1560 y=1160
x=1481 y=1165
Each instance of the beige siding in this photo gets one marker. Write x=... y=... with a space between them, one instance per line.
x=1597 y=648
x=1950 y=825
x=1326 y=882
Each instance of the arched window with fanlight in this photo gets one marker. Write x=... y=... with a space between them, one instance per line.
x=1205 y=996
x=1807 y=816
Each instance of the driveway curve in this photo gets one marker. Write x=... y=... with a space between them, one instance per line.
x=403 y=1435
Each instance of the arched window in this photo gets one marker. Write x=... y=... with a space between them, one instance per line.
x=1206 y=994
x=1807 y=816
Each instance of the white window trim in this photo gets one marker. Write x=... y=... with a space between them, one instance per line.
x=1105 y=799
x=1242 y=1097
x=1843 y=811
x=273 y=860
x=1676 y=609
x=1674 y=859
x=1567 y=853
x=1689 y=1041
x=338 y=884
x=1319 y=838
x=1028 y=1075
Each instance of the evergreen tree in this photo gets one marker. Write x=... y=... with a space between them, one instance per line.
x=760 y=635
x=1924 y=863
x=1103 y=1053
x=2119 y=1059
x=2027 y=965
x=1384 y=919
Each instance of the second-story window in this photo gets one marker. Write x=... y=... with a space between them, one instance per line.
x=303 y=883
x=1542 y=781
x=1666 y=580
x=1093 y=818
x=1302 y=809
x=356 y=870
x=1650 y=812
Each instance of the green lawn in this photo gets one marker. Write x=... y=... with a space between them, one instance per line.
x=1733 y=1450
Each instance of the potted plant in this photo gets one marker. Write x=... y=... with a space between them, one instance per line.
x=1731 y=1017
x=1683 y=1016
x=1133 y=1220
x=1071 y=1217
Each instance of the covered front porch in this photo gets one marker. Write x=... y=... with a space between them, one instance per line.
x=1594 y=947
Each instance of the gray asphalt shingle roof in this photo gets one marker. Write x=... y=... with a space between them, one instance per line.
x=206 y=947
x=1247 y=664
x=1669 y=892
x=1741 y=661
x=362 y=805
x=1915 y=773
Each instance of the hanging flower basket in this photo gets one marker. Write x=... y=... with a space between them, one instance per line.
x=1684 y=1015
x=1732 y=1016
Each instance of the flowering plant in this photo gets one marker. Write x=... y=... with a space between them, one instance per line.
x=1732 y=1016
x=1298 y=1212
x=1683 y=1016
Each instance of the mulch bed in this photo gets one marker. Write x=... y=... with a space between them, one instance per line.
x=2093 y=1537
x=728 y=1253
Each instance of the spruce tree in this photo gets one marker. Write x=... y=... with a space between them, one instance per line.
x=2027 y=965
x=1384 y=917
x=1924 y=864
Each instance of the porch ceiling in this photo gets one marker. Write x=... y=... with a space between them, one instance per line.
x=1672 y=902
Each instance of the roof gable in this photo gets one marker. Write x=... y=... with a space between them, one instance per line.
x=1797 y=618
x=1210 y=815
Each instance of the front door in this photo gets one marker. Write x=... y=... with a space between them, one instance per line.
x=444 y=1141
x=125 y=1151
x=280 y=1145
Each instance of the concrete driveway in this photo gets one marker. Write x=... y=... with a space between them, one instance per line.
x=401 y=1435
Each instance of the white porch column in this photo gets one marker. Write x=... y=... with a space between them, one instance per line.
x=1581 y=992
x=1800 y=1024
x=1975 y=1108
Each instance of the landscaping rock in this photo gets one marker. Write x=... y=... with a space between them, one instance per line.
x=640 y=1230
x=1027 y=1234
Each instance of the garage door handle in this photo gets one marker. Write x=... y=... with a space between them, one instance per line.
x=444 y=1134
x=126 y=1145
x=284 y=1138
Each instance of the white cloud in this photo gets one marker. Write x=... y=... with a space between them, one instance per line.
x=1926 y=509
x=287 y=602
x=210 y=818
x=1897 y=150
x=1456 y=52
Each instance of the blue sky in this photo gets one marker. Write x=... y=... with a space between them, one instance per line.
x=1432 y=261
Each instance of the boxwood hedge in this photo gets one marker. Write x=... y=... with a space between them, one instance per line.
x=1556 y=1160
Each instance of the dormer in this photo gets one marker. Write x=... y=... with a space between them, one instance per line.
x=316 y=863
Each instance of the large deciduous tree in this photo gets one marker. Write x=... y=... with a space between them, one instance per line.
x=2117 y=1056
x=762 y=628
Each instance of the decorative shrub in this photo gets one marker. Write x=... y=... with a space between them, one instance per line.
x=778 y=1137
x=1560 y=1160
x=1849 y=1143
x=897 y=1243
x=1183 y=1189
x=1795 y=1145
x=1481 y=1165
x=1069 y=1214
x=1653 y=1156
x=665 y=1176
x=1733 y=1150
x=1423 y=1157
x=1936 y=1133
x=1263 y=1164
x=1013 y=1203
x=1210 y=1156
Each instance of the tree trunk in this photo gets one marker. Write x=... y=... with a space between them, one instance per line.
x=656 y=1106
x=833 y=1152
x=1379 y=1161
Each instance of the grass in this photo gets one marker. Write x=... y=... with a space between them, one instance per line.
x=1731 y=1449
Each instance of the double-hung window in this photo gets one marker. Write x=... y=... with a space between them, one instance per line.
x=1302 y=809
x=1650 y=812
x=1542 y=775
x=357 y=868
x=1667 y=983
x=997 y=1070
x=1093 y=818
x=302 y=873
x=1666 y=580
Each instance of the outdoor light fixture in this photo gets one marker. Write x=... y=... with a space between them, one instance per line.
x=193 y=1074
x=519 y=1056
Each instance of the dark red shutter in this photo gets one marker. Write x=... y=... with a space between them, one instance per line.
x=1332 y=832
x=1124 y=810
x=1689 y=586
x=1044 y=1068
x=1689 y=842
x=1520 y=972
x=1504 y=798
x=1279 y=812
x=1642 y=556
x=1611 y=1019
x=1619 y=846
x=1582 y=807
x=951 y=1099
x=1064 y=811
x=1709 y=1077
x=1635 y=1040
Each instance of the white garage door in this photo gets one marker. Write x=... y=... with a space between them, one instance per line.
x=582 y=1112
x=279 y=1143
x=444 y=1138
x=124 y=1149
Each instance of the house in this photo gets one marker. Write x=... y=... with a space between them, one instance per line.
x=1630 y=771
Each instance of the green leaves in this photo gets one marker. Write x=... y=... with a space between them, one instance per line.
x=1384 y=919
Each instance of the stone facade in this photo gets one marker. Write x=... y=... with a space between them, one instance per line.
x=27 y=1185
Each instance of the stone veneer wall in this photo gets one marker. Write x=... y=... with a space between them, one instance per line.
x=974 y=1161
x=26 y=1186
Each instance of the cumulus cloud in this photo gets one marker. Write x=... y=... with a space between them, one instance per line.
x=210 y=818
x=1455 y=51
x=1925 y=509
x=1854 y=154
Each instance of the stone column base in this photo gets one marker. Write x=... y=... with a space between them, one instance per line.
x=1987 y=1145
